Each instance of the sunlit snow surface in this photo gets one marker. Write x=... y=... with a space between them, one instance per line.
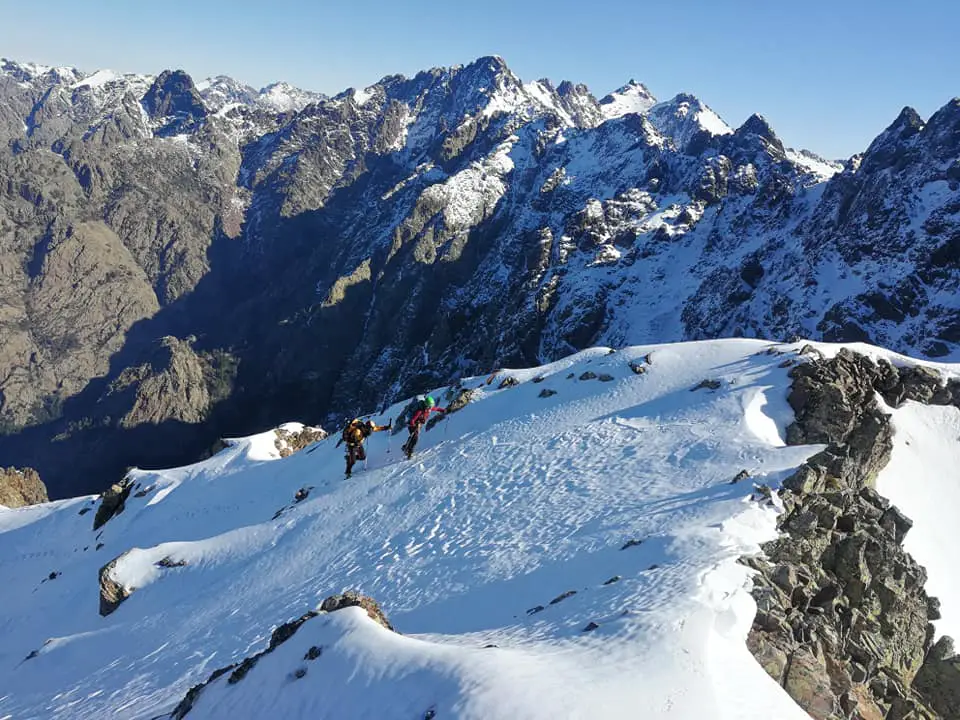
x=822 y=169
x=632 y=98
x=923 y=480
x=508 y=504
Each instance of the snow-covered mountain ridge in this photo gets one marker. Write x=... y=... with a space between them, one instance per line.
x=564 y=545
x=396 y=237
x=217 y=92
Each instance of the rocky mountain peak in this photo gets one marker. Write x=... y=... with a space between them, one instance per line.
x=756 y=124
x=484 y=72
x=43 y=74
x=756 y=128
x=633 y=97
x=890 y=146
x=907 y=124
x=173 y=94
x=493 y=64
x=284 y=97
x=486 y=86
x=568 y=88
x=579 y=103
x=942 y=131
x=15 y=70
x=686 y=119
x=220 y=91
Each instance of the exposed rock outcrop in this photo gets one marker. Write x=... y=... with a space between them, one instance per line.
x=171 y=386
x=843 y=621
x=938 y=681
x=354 y=599
x=19 y=487
x=112 y=592
x=457 y=398
x=290 y=441
x=112 y=502
x=238 y=671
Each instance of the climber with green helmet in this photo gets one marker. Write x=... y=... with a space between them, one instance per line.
x=417 y=421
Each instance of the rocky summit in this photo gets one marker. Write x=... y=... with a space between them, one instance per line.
x=843 y=621
x=184 y=260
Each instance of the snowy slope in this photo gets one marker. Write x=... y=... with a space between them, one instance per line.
x=631 y=98
x=284 y=97
x=923 y=480
x=816 y=165
x=222 y=91
x=510 y=503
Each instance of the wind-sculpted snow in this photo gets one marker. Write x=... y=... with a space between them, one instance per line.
x=544 y=555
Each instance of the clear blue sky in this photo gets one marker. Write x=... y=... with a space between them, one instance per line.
x=828 y=75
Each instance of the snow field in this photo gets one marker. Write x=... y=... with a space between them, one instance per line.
x=521 y=522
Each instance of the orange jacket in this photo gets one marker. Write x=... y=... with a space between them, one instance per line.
x=357 y=431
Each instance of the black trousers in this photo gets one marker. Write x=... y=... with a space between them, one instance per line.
x=410 y=445
x=354 y=453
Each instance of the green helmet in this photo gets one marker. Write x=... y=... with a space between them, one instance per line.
x=429 y=401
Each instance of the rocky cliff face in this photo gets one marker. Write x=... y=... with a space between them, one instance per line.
x=21 y=487
x=319 y=256
x=843 y=618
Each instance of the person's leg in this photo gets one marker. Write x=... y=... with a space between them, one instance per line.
x=351 y=458
x=412 y=442
x=361 y=453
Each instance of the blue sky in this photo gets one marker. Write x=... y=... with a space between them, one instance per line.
x=828 y=75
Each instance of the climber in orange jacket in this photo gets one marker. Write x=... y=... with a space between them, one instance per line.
x=354 y=435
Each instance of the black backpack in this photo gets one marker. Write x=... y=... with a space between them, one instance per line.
x=408 y=412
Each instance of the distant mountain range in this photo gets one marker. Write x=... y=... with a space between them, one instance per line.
x=181 y=260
